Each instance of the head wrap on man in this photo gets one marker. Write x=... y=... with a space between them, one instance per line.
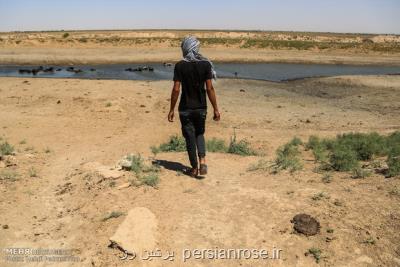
x=190 y=49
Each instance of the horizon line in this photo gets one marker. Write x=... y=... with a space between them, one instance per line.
x=198 y=30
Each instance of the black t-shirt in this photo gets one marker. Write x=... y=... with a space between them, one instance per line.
x=193 y=76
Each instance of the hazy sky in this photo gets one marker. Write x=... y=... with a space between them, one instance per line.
x=367 y=16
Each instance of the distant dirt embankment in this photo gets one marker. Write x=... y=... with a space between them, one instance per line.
x=75 y=46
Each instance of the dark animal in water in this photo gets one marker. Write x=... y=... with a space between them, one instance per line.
x=71 y=69
x=35 y=71
x=92 y=69
x=144 y=68
x=166 y=64
x=58 y=69
x=23 y=71
x=77 y=71
x=51 y=69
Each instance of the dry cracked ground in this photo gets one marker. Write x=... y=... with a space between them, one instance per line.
x=61 y=189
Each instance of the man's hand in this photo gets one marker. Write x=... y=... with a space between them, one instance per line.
x=171 y=116
x=217 y=116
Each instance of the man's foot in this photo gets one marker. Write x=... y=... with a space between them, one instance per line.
x=193 y=172
x=203 y=169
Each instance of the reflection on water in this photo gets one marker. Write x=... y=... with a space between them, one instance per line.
x=259 y=71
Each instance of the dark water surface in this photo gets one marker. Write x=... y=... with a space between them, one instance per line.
x=260 y=71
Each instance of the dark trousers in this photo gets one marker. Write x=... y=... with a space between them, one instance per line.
x=193 y=127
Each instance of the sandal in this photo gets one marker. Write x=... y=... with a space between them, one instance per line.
x=203 y=169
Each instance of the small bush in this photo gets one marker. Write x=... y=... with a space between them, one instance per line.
x=262 y=164
x=320 y=196
x=343 y=158
x=136 y=163
x=114 y=214
x=32 y=172
x=321 y=154
x=175 y=144
x=393 y=161
x=313 y=142
x=6 y=149
x=366 y=146
x=65 y=35
x=287 y=158
x=152 y=168
x=296 y=141
x=216 y=145
x=150 y=179
x=316 y=253
x=7 y=175
x=360 y=173
x=241 y=147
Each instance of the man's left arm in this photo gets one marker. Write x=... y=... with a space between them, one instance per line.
x=174 y=98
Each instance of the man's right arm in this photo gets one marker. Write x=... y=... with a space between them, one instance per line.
x=213 y=99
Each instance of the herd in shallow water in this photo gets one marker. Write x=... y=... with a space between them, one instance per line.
x=35 y=71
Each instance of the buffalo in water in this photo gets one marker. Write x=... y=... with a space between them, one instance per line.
x=140 y=69
x=72 y=69
x=24 y=71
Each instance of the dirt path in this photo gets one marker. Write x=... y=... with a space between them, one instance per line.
x=70 y=123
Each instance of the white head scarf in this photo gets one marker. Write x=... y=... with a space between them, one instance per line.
x=190 y=49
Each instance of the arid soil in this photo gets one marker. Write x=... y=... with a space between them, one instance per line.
x=73 y=132
x=96 y=47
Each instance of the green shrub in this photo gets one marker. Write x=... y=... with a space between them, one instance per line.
x=287 y=158
x=321 y=154
x=296 y=141
x=241 y=147
x=150 y=179
x=316 y=253
x=32 y=172
x=359 y=173
x=136 y=163
x=343 y=158
x=216 y=145
x=175 y=144
x=6 y=149
x=262 y=164
x=365 y=145
x=8 y=175
x=65 y=35
x=393 y=161
x=313 y=142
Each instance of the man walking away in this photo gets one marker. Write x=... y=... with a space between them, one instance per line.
x=195 y=74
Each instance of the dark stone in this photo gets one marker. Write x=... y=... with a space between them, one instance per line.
x=305 y=224
x=5 y=226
